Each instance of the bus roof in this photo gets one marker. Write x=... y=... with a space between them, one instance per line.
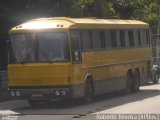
x=83 y=23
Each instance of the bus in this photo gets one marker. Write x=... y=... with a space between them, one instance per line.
x=68 y=58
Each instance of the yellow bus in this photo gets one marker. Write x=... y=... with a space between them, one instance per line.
x=64 y=58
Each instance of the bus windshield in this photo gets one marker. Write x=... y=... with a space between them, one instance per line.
x=38 y=47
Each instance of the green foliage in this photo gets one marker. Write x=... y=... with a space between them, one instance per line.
x=150 y=14
x=145 y=10
x=14 y=12
x=99 y=9
x=93 y=8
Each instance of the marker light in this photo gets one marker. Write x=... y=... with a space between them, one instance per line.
x=63 y=92
x=57 y=93
x=18 y=93
x=12 y=93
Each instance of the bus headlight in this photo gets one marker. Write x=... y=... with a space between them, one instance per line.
x=63 y=92
x=18 y=93
x=57 y=93
x=12 y=93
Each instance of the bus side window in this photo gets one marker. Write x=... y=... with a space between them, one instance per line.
x=76 y=46
x=143 y=37
x=86 y=39
x=136 y=41
x=113 y=39
x=118 y=38
x=131 y=38
x=122 y=38
x=108 y=39
x=102 y=39
x=148 y=37
x=139 y=38
x=126 y=38
x=96 y=39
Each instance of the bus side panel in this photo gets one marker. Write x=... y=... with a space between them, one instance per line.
x=109 y=68
x=77 y=81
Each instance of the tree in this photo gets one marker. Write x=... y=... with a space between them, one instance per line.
x=14 y=12
x=145 y=10
x=94 y=8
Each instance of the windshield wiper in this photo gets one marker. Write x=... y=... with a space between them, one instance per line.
x=25 y=59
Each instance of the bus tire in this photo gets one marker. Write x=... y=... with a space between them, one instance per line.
x=88 y=90
x=135 y=82
x=128 y=83
x=156 y=78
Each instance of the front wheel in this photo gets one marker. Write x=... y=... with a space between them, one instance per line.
x=88 y=91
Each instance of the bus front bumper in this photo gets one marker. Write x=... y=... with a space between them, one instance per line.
x=41 y=93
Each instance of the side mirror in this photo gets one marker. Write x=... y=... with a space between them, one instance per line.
x=77 y=57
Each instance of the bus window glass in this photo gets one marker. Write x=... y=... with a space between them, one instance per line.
x=113 y=39
x=75 y=40
x=76 y=46
x=122 y=39
x=135 y=34
x=143 y=37
x=53 y=47
x=108 y=38
x=102 y=38
x=86 y=41
x=148 y=37
x=96 y=39
x=131 y=38
x=139 y=38
x=41 y=47
x=22 y=47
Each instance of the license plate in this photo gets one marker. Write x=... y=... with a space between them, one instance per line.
x=37 y=95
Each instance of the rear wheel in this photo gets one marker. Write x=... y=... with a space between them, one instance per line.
x=128 y=84
x=156 y=78
x=135 y=82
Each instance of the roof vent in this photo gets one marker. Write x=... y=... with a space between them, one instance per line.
x=18 y=27
x=58 y=25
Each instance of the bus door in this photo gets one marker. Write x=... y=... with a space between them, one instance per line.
x=76 y=47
